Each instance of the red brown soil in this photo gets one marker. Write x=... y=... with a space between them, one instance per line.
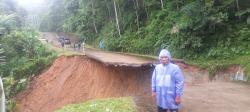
x=77 y=78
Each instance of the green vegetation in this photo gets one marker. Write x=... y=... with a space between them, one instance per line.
x=213 y=34
x=125 y=104
x=199 y=30
x=215 y=65
x=22 y=55
x=25 y=57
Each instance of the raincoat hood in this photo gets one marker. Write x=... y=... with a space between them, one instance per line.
x=165 y=52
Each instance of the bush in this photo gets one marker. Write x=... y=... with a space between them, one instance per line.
x=25 y=57
x=125 y=104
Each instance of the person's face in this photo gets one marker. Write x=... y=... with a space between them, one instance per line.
x=164 y=60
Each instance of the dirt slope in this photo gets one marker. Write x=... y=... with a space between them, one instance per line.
x=77 y=79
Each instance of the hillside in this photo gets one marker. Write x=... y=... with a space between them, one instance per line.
x=77 y=79
x=207 y=33
x=45 y=71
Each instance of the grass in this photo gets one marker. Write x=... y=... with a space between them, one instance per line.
x=215 y=65
x=61 y=51
x=123 y=104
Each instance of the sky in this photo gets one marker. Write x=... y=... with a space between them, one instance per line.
x=33 y=6
x=30 y=3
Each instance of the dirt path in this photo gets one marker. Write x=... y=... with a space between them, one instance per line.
x=77 y=79
x=119 y=59
x=217 y=97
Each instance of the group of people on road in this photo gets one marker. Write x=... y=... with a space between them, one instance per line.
x=76 y=46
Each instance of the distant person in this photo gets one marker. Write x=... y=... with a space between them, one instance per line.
x=167 y=84
x=83 y=47
x=101 y=44
x=62 y=43
x=74 y=46
x=79 y=46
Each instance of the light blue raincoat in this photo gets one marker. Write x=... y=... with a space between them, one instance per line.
x=167 y=82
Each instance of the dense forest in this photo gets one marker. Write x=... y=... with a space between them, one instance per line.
x=189 y=28
x=213 y=34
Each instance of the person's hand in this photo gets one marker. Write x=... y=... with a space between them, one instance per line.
x=178 y=100
x=154 y=95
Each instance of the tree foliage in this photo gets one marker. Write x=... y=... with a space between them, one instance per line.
x=188 y=28
x=22 y=55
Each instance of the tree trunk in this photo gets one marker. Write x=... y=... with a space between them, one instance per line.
x=238 y=8
x=137 y=4
x=110 y=17
x=93 y=11
x=117 y=20
x=119 y=15
x=237 y=4
x=162 y=6
x=177 y=5
x=136 y=12
x=145 y=7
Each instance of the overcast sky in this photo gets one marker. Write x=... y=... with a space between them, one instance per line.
x=28 y=3
x=31 y=5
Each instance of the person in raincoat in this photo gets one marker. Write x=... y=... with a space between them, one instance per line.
x=167 y=84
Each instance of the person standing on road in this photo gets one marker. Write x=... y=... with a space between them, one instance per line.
x=167 y=84
x=83 y=48
x=62 y=43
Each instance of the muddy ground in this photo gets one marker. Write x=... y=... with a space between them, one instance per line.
x=75 y=79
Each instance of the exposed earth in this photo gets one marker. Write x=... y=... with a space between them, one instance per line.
x=99 y=74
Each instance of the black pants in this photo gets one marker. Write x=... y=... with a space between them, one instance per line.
x=166 y=110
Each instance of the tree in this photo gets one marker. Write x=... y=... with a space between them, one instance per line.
x=55 y=17
x=136 y=6
x=94 y=15
x=162 y=4
x=7 y=23
x=2 y=57
x=117 y=19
